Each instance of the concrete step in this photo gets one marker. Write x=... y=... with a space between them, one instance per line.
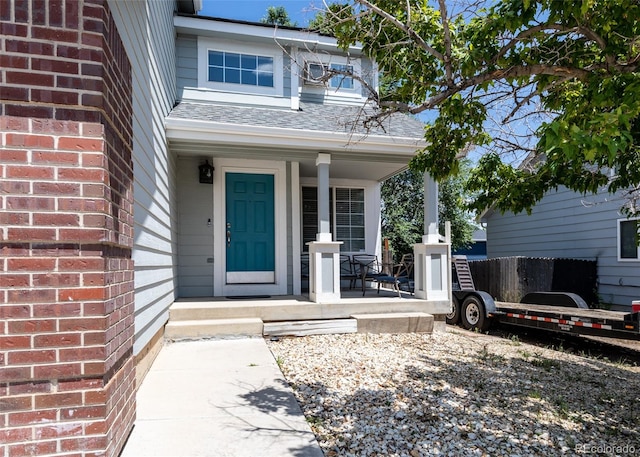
x=208 y=328
x=394 y=322
x=310 y=327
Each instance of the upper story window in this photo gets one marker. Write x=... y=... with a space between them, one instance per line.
x=339 y=85
x=233 y=67
x=341 y=81
x=628 y=248
x=237 y=68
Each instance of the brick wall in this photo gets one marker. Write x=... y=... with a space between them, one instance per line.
x=66 y=276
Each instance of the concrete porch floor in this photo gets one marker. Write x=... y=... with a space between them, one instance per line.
x=218 y=316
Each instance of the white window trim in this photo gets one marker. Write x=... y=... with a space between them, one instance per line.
x=327 y=60
x=619 y=244
x=371 y=210
x=206 y=44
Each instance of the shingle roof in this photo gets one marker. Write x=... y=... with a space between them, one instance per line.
x=311 y=116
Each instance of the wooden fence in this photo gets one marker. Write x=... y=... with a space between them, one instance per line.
x=510 y=278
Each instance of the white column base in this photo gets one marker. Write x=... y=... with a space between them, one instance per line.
x=324 y=271
x=432 y=271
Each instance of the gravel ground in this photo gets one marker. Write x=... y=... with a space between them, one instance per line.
x=459 y=393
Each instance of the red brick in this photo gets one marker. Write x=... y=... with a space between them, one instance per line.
x=82 y=354
x=56 y=219
x=27 y=172
x=15 y=93
x=10 y=29
x=30 y=234
x=59 y=430
x=14 y=342
x=92 y=130
x=85 y=412
x=81 y=264
x=14 y=435
x=56 y=340
x=52 y=126
x=15 y=219
x=30 y=387
x=15 y=311
x=32 y=417
x=81 y=294
x=31 y=264
x=58 y=371
x=84 y=235
x=33 y=111
x=30 y=295
x=54 y=34
x=71 y=14
x=57 y=310
x=32 y=326
x=56 y=280
x=32 y=79
x=81 y=325
x=95 y=368
x=84 y=444
x=57 y=188
x=14 y=403
x=10 y=373
x=96 y=428
x=15 y=280
x=94 y=338
x=54 y=66
x=81 y=144
x=54 y=96
x=13 y=61
x=76 y=174
x=30 y=203
x=18 y=124
x=33 y=448
x=29 y=141
x=56 y=400
x=83 y=384
x=65 y=158
x=31 y=357
x=13 y=155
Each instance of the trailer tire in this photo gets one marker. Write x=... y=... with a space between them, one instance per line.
x=453 y=318
x=473 y=314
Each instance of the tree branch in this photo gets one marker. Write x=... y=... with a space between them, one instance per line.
x=408 y=30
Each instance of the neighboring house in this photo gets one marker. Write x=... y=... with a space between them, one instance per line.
x=477 y=250
x=565 y=224
x=134 y=138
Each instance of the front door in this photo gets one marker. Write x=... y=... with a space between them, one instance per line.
x=250 y=228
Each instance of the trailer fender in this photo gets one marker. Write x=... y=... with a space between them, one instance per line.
x=487 y=301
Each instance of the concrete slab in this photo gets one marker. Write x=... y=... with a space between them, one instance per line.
x=222 y=398
x=394 y=323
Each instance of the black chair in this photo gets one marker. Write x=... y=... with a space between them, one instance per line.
x=401 y=275
x=367 y=267
x=346 y=270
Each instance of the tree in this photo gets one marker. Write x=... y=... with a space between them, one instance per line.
x=277 y=15
x=403 y=209
x=548 y=90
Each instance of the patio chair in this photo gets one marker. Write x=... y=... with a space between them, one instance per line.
x=367 y=267
x=347 y=272
x=402 y=275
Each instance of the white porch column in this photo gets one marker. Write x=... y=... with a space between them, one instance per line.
x=324 y=254
x=432 y=268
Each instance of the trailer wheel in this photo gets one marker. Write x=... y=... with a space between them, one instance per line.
x=453 y=318
x=473 y=314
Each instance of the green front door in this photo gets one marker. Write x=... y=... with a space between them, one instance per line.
x=250 y=228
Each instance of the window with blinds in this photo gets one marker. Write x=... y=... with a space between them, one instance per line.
x=346 y=217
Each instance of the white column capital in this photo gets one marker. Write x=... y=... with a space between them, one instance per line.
x=323 y=158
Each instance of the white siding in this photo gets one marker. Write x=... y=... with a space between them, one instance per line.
x=565 y=224
x=146 y=29
x=186 y=62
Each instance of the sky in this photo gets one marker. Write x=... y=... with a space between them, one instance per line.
x=300 y=11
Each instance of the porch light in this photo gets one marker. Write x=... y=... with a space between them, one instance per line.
x=206 y=173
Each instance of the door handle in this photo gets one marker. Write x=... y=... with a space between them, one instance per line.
x=228 y=238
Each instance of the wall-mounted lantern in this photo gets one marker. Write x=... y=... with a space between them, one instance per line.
x=206 y=173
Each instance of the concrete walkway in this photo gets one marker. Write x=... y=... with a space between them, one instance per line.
x=222 y=398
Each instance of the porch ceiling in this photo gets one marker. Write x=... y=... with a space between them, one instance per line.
x=207 y=130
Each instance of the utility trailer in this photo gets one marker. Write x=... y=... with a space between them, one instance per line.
x=558 y=312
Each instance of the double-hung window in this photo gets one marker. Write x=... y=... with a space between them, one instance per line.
x=628 y=237
x=346 y=217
